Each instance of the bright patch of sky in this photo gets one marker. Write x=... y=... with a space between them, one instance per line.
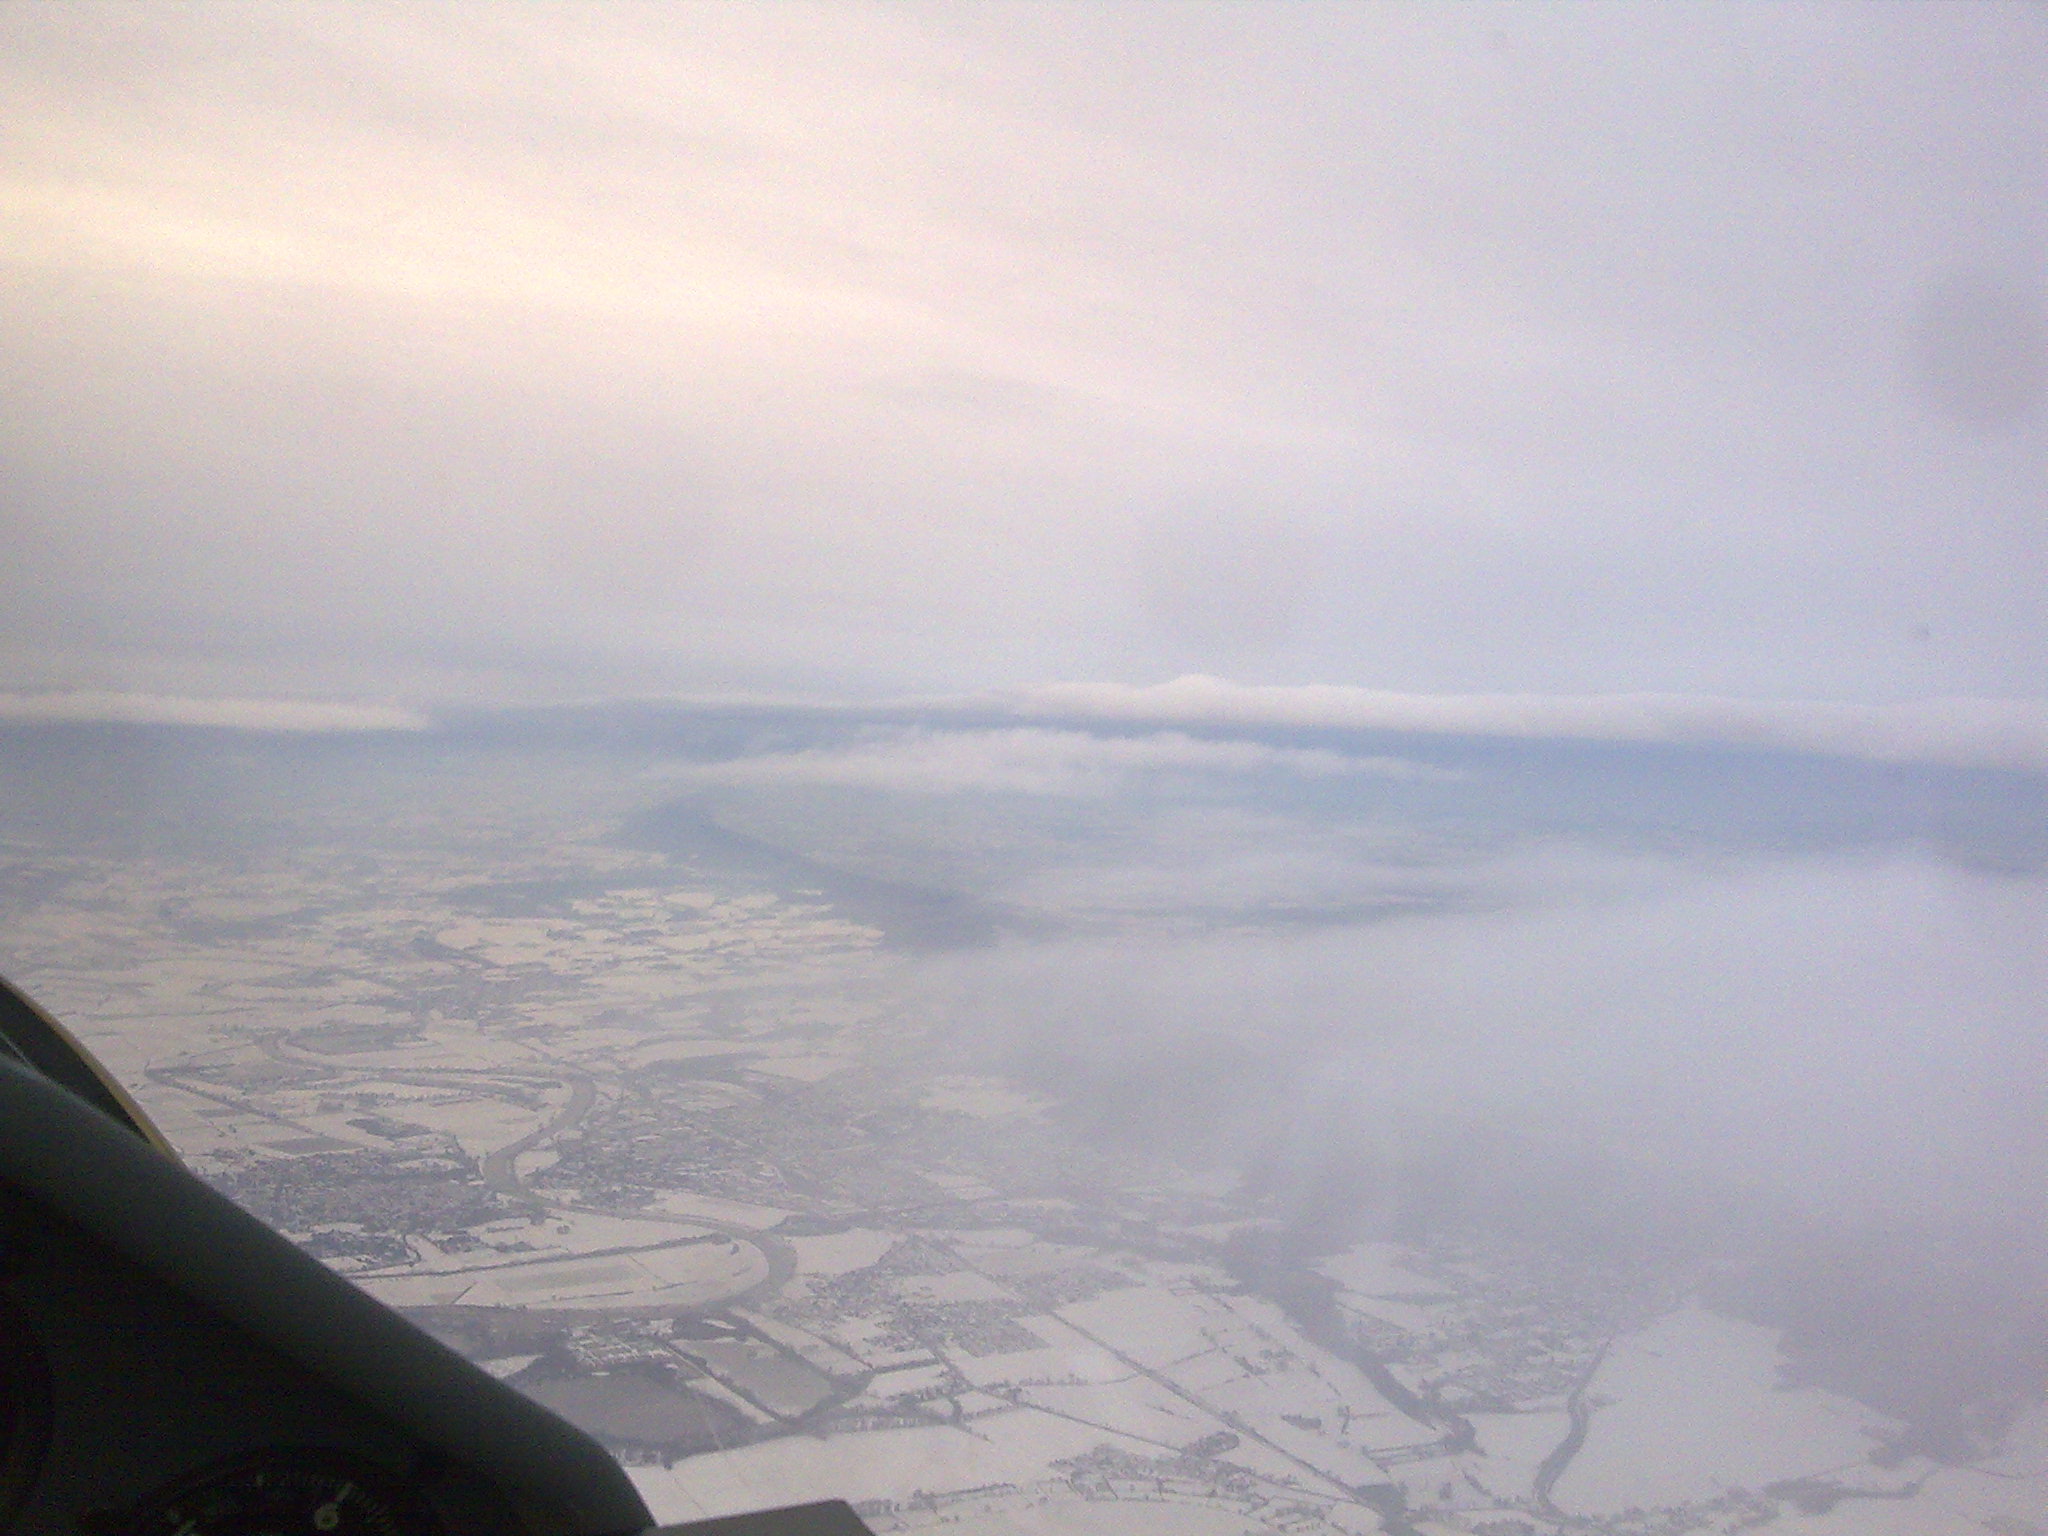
x=374 y=352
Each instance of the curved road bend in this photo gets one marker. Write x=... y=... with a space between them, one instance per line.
x=1581 y=1412
x=497 y=1169
x=499 y=1173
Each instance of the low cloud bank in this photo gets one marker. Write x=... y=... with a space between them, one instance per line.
x=1963 y=733
x=1859 y=1037
x=1817 y=1083
x=290 y=715
x=1031 y=761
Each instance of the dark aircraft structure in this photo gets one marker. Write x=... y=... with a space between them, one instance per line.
x=169 y=1366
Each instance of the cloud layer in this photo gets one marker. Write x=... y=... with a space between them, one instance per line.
x=558 y=349
x=289 y=715
x=1860 y=1036
x=1032 y=761
x=1971 y=733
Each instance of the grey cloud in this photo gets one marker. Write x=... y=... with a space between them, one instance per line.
x=1526 y=352
x=1980 y=348
x=1957 y=732
x=1861 y=1038
x=290 y=715
x=1032 y=761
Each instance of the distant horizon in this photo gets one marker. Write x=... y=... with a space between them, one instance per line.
x=2009 y=734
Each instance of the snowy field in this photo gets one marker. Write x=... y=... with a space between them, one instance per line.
x=1691 y=1407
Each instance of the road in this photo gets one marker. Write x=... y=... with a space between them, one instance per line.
x=1554 y=1464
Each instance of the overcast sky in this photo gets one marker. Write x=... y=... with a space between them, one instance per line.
x=404 y=353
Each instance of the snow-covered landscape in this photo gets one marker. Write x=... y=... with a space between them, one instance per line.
x=692 y=1147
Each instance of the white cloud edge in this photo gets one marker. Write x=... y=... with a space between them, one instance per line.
x=241 y=714
x=1952 y=732
x=1029 y=760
